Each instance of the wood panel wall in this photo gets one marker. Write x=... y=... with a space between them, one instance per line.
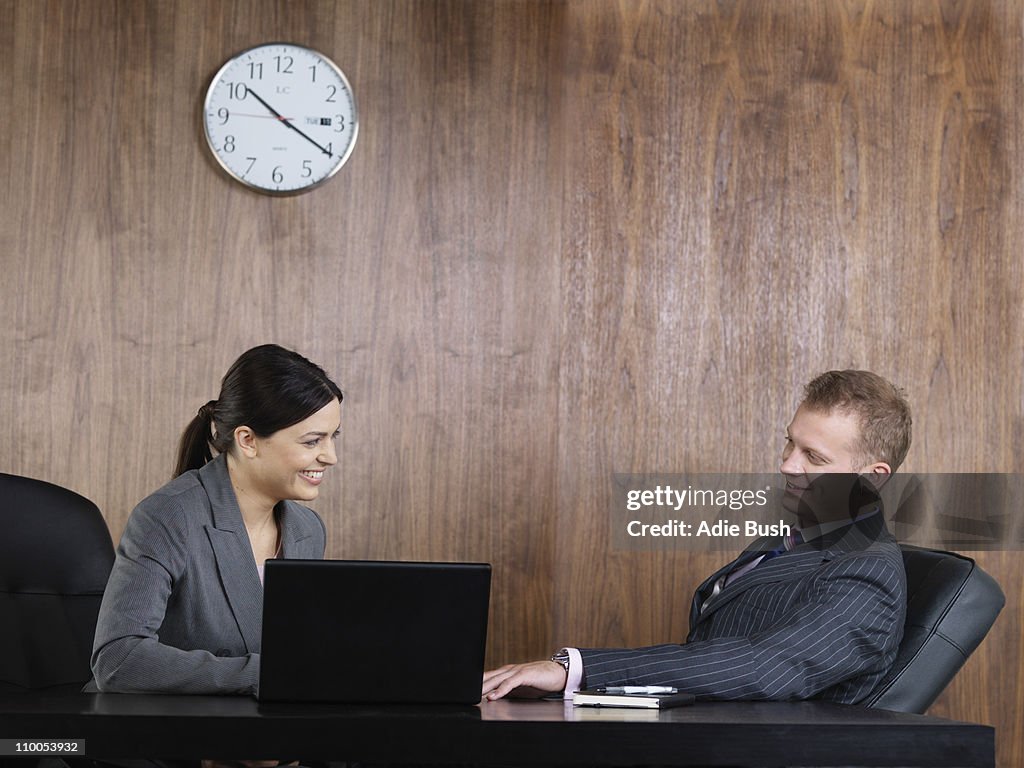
x=574 y=238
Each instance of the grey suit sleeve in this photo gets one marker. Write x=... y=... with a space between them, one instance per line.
x=848 y=621
x=127 y=653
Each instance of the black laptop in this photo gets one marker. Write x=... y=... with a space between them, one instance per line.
x=357 y=631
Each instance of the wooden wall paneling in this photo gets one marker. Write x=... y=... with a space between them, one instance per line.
x=703 y=266
x=463 y=347
x=58 y=373
x=575 y=238
x=613 y=258
x=424 y=276
x=959 y=196
x=824 y=207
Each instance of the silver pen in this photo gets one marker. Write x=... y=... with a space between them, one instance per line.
x=638 y=689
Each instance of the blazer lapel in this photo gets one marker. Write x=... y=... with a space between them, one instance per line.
x=296 y=540
x=786 y=567
x=233 y=553
x=704 y=591
x=795 y=564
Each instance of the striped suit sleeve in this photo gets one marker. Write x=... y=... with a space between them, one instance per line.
x=845 y=622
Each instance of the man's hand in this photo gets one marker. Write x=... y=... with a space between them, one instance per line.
x=531 y=680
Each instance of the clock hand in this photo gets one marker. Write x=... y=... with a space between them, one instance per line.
x=267 y=117
x=287 y=122
x=273 y=111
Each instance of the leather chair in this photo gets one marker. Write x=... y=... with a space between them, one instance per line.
x=55 y=558
x=951 y=604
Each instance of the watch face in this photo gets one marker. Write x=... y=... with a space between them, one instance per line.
x=281 y=118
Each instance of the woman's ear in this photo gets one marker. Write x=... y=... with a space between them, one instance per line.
x=245 y=440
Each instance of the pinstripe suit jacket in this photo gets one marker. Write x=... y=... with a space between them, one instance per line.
x=182 y=611
x=821 y=621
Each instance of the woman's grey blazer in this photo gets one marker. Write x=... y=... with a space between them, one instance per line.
x=182 y=611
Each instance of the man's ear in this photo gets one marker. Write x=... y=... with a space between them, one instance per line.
x=245 y=439
x=877 y=473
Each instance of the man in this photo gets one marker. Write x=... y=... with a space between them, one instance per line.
x=818 y=619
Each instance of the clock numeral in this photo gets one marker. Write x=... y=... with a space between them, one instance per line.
x=237 y=91
x=252 y=162
x=312 y=69
x=341 y=123
x=223 y=114
x=229 y=143
x=307 y=169
x=287 y=68
x=255 y=71
x=334 y=91
x=330 y=148
x=276 y=175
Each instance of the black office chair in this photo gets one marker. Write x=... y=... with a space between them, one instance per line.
x=951 y=605
x=55 y=558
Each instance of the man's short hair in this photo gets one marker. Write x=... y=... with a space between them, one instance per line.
x=880 y=406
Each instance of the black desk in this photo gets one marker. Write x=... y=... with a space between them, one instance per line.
x=503 y=732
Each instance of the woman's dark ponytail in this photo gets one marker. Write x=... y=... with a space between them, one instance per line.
x=266 y=389
x=194 y=448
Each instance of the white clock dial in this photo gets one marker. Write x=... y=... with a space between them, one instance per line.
x=281 y=118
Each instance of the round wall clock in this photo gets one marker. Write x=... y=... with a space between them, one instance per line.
x=281 y=118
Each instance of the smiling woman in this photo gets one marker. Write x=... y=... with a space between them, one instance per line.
x=182 y=612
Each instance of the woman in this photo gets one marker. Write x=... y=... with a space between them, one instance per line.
x=182 y=611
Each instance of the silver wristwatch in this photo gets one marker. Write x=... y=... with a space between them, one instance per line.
x=561 y=657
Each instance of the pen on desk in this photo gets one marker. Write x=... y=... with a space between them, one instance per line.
x=650 y=689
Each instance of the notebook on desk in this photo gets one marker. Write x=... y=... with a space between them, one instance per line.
x=352 y=631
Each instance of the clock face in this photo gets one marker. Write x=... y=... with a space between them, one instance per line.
x=281 y=118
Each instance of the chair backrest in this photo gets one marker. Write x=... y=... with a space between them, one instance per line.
x=951 y=604
x=55 y=558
